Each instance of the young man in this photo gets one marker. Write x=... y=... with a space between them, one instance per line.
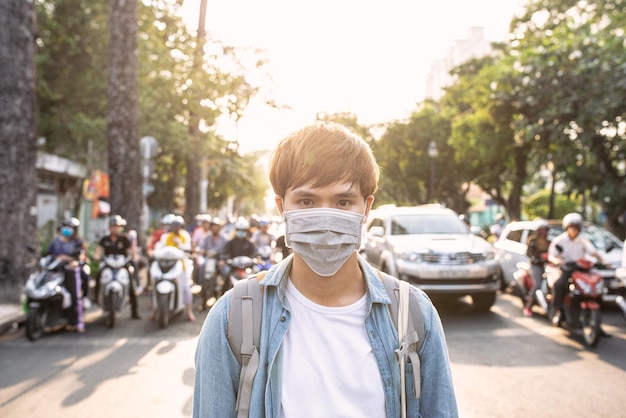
x=327 y=339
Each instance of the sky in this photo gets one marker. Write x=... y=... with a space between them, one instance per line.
x=369 y=58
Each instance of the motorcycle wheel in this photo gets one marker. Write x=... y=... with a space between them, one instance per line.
x=34 y=324
x=591 y=327
x=112 y=303
x=163 y=310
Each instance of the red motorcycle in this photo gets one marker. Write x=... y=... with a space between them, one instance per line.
x=581 y=305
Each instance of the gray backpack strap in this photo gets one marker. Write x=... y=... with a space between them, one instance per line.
x=244 y=334
x=415 y=333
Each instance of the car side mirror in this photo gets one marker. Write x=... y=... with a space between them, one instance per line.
x=377 y=231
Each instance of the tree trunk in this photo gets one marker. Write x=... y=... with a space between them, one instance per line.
x=18 y=147
x=194 y=161
x=123 y=114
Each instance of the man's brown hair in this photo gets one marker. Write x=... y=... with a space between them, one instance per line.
x=323 y=154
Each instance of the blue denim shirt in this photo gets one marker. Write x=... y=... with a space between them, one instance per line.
x=217 y=369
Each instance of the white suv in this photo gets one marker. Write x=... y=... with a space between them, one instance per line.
x=430 y=247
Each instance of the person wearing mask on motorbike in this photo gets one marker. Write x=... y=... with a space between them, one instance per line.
x=263 y=240
x=537 y=251
x=327 y=338
x=239 y=245
x=497 y=228
x=71 y=249
x=117 y=242
x=568 y=248
x=177 y=236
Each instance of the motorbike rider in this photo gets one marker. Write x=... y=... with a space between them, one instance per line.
x=537 y=251
x=117 y=242
x=239 y=245
x=566 y=248
x=261 y=236
x=202 y=231
x=71 y=249
x=177 y=236
x=214 y=241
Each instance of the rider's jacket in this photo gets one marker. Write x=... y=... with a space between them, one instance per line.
x=115 y=246
x=238 y=246
x=535 y=247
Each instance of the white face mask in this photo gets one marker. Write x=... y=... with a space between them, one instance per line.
x=324 y=238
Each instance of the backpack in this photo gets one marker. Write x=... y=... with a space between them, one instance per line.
x=244 y=331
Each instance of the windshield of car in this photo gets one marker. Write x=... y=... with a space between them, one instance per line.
x=427 y=224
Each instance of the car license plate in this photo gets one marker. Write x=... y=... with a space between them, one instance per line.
x=454 y=273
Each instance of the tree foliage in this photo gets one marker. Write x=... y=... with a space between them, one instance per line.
x=174 y=94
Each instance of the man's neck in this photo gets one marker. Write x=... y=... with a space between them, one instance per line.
x=343 y=288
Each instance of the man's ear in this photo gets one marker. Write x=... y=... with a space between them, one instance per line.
x=368 y=206
x=279 y=205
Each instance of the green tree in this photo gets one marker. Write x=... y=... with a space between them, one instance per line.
x=402 y=153
x=570 y=64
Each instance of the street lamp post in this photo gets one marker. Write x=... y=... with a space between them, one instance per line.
x=433 y=152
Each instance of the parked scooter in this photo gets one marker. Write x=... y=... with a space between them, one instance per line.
x=167 y=275
x=115 y=285
x=209 y=278
x=581 y=305
x=47 y=299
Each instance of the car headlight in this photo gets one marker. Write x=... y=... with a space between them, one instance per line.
x=411 y=256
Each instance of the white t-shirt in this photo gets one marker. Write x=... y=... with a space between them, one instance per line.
x=328 y=367
x=573 y=249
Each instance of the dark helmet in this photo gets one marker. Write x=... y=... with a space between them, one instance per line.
x=117 y=220
x=71 y=222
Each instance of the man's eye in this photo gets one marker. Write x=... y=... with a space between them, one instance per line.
x=343 y=203
x=306 y=202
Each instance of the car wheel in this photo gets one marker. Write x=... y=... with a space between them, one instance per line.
x=484 y=301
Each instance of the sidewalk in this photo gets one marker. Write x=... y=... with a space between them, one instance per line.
x=10 y=314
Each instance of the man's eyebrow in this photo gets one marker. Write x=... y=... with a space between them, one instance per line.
x=350 y=193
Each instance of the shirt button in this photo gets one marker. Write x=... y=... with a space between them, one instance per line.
x=283 y=319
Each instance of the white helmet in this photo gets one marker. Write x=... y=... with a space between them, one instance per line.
x=242 y=224
x=572 y=219
x=168 y=219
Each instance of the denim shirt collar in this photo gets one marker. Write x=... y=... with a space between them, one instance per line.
x=278 y=275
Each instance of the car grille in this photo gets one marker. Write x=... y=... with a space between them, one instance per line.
x=453 y=259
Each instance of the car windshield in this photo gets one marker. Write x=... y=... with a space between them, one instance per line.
x=427 y=224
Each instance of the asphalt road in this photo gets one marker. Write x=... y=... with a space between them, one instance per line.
x=504 y=365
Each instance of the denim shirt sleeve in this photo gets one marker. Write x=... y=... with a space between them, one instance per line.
x=217 y=369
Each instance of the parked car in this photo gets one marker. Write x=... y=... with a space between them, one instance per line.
x=430 y=247
x=510 y=249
